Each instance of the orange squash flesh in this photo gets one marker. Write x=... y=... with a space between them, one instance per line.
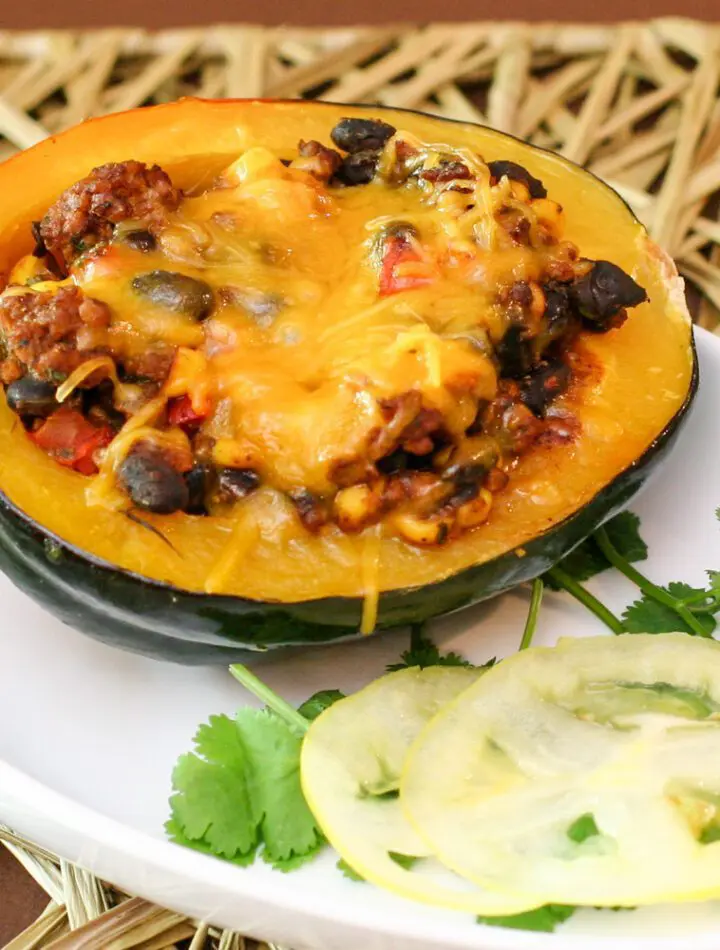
x=641 y=375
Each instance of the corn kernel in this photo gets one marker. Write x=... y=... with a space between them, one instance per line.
x=476 y=511
x=356 y=506
x=550 y=214
x=234 y=453
x=420 y=531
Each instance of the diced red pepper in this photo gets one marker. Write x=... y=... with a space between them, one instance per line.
x=182 y=414
x=71 y=440
x=398 y=250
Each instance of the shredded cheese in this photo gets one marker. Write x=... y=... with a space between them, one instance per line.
x=370 y=568
x=124 y=392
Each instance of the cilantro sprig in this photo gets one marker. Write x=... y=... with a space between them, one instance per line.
x=543 y=919
x=531 y=623
x=237 y=795
x=676 y=606
x=423 y=653
x=665 y=596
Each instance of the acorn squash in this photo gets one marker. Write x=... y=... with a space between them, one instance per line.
x=257 y=569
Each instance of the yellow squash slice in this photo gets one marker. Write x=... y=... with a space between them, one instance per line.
x=352 y=758
x=588 y=773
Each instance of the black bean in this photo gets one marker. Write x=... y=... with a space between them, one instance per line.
x=152 y=482
x=31 y=396
x=604 y=292
x=99 y=403
x=516 y=172
x=471 y=461
x=356 y=169
x=140 y=241
x=197 y=481
x=547 y=381
x=559 y=316
x=234 y=483
x=175 y=291
x=357 y=135
x=515 y=351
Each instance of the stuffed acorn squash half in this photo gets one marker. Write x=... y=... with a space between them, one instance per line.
x=280 y=373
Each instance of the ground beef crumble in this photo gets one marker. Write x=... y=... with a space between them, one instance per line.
x=317 y=159
x=86 y=213
x=45 y=332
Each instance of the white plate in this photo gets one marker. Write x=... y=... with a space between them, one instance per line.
x=90 y=735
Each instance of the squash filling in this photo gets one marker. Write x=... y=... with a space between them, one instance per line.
x=376 y=331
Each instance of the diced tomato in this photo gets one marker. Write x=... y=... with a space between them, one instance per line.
x=398 y=250
x=71 y=440
x=182 y=414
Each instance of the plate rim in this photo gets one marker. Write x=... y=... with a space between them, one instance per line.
x=82 y=821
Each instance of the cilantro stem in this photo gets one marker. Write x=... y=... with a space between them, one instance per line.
x=270 y=698
x=709 y=606
x=531 y=622
x=646 y=585
x=703 y=602
x=417 y=636
x=568 y=583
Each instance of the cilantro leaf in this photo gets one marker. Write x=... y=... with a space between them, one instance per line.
x=624 y=533
x=423 y=653
x=175 y=832
x=405 y=861
x=295 y=861
x=587 y=560
x=319 y=702
x=649 y=616
x=212 y=803
x=348 y=872
x=681 y=591
x=543 y=919
x=286 y=824
x=583 y=828
x=240 y=790
x=712 y=593
x=710 y=834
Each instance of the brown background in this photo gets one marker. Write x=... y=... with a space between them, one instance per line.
x=20 y=901
x=41 y=14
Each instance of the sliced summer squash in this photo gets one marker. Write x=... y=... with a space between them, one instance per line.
x=588 y=773
x=352 y=758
